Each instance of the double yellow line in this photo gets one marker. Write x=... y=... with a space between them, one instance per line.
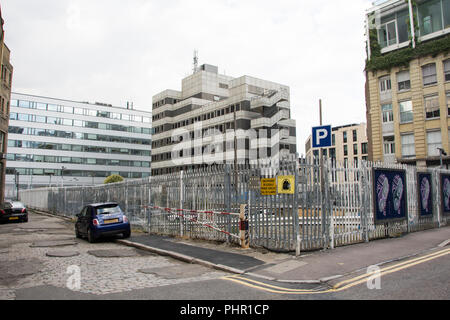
x=340 y=286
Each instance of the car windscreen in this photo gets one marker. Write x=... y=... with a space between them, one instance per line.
x=6 y=205
x=16 y=204
x=109 y=210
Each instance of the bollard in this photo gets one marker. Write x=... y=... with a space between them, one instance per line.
x=243 y=226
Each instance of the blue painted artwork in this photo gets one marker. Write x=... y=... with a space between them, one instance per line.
x=425 y=194
x=445 y=193
x=389 y=195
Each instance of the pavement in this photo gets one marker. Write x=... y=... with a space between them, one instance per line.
x=309 y=267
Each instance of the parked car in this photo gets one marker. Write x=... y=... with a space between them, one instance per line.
x=102 y=219
x=13 y=211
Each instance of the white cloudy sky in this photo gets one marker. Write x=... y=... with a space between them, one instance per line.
x=116 y=51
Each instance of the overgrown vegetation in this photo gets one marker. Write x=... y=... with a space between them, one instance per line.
x=113 y=179
x=402 y=57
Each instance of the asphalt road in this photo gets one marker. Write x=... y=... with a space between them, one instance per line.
x=27 y=272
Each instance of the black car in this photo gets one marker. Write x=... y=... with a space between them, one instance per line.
x=13 y=211
x=102 y=219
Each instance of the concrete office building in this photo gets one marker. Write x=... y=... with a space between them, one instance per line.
x=59 y=142
x=5 y=95
x=349 y=145
x=408 y=81
x=195 y=126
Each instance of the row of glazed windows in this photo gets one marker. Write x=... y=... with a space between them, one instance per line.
x=79 y=111
x=76 y=123
x=76 y=135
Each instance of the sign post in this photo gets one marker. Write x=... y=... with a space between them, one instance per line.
x=321 y=138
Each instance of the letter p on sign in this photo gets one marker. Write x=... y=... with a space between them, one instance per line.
x=321 y=137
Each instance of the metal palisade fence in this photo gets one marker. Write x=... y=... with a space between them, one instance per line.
x=292 y=205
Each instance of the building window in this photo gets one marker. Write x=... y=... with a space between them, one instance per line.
x=344 y=136
x=448 y=103
x=355 y=135
x=355 y=149
x=364 y=149
x=432 y=107
x=387 y=114
x=332 y=153
x=434 y=141
x=447 y=68
x=408 y=148
x=387 y=34
x=429 y=74
x=403 y=81
x=345 y=150
x=389 y=145
x=2 y=142
x=385 y=84
x=333 y=138
x=406 y=112
x=393 y=29
x=430 y=17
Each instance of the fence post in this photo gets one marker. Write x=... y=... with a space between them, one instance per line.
x=328 y=205
x=181 y=202
x=295 y=209
x=365 y=201
x=227 y=198
x=437 y=189
x=243 y=226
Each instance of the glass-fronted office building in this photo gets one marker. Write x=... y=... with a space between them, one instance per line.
x=54 y=142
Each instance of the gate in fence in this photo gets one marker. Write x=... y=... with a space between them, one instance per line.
x=292 y=205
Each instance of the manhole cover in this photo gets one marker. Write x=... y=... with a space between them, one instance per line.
x=62 y=253
x=114 y=253
x=53 y=243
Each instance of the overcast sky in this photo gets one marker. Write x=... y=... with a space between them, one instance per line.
x=116 y=51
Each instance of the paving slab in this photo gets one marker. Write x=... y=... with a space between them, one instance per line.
x=177 y=272
x=114 y=253
x=62 y=253
x=53 y=243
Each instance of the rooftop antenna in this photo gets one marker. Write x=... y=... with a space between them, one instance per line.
x=195 y=61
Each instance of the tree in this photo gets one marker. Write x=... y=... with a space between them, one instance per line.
x=113 y=179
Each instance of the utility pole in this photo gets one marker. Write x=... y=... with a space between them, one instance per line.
x=322 y=188
x=441 y=153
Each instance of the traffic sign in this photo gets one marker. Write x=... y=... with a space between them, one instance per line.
x=321 y=137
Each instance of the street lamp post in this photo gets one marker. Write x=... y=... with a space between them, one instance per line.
x=441 y=153
x=62 y=175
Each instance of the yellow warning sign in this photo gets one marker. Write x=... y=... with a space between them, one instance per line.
x=286 y=184
x=268 y=186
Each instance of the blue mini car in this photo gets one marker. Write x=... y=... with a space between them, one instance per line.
x=102 y=219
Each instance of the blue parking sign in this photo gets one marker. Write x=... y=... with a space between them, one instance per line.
x=321 y=137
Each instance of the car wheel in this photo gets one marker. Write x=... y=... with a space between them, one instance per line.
x=126 y=234
x=25 y=219
x=91 y=237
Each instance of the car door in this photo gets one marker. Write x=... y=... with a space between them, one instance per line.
x=84 y=220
